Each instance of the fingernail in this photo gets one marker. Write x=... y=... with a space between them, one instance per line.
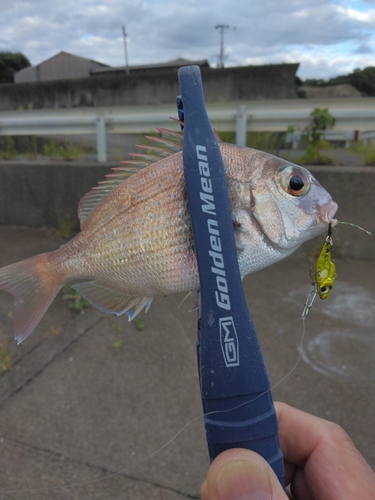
x=243 y=480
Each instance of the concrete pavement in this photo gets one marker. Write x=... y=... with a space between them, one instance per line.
x=88 y=395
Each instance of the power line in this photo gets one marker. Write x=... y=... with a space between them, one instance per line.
x=222 y=28
x=126 y=50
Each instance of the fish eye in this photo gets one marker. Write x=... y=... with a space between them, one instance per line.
x=294 y=180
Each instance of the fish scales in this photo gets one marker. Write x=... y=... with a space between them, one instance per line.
x=136 y=239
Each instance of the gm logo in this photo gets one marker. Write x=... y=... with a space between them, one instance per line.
x=229 y=342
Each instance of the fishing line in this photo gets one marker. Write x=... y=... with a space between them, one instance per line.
x=175 y=436
x=355 y=225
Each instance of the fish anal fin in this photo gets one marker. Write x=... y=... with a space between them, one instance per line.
x=111 y=301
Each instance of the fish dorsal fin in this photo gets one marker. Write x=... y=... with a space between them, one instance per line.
x=169 y=143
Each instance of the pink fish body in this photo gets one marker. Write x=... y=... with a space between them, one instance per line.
x=136 y=240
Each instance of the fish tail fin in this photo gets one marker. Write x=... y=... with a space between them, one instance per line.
x=33 y=288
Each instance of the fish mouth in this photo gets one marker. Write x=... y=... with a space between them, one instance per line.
x=327 y=211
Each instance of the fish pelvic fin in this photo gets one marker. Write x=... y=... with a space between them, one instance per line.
x=33 y=288
x=111 y=301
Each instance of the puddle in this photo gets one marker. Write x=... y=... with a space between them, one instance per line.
x=347 y=351
x=342 y=352
x=351 y=303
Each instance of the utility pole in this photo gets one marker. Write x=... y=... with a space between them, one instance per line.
x=222 y=27
x=126 y=51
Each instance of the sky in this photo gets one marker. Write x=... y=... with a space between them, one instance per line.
x=327 y=37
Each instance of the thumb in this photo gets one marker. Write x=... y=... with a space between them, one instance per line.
x=239 y=474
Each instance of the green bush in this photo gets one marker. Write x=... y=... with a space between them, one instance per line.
x=321 y=120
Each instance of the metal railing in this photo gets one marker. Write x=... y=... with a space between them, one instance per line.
x=351 y=115
x=295 y=137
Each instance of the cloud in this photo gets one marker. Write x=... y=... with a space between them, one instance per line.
x=6 y=4
x=320 y=34
x=363 y=49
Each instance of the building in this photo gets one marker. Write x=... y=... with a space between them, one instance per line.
x=62 y=66
x=150 y=68
x=65 y=66
x=68 y=81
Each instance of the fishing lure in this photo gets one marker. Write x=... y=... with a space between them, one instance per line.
x=325 y=274
x=325 y=269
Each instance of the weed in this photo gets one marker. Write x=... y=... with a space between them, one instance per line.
x=8 y=150
x=321 y=119
x=367 y=151
x=117 y=344
x=53 y=331
x=51 y=148
x=312 y=156
x=139 y=323
x=74 y=299
x=264 y=141
x=33 y=152
x=66 y=151
x=5 y=356
x=66 y=228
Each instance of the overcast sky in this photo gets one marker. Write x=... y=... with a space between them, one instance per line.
x=328 y=37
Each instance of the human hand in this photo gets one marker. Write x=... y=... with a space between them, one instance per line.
x=321 y=463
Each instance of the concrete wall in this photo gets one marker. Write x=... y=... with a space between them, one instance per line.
x=352 y=188
x=274 y=81
x=42 y=194
x=48 y=194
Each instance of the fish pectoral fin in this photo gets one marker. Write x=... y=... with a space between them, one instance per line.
x=111 y=301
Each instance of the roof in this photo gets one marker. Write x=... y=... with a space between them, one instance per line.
x=61 y=66
x=175 y=63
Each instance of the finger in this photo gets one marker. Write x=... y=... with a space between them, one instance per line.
x=204 y=491
x=237 y=474
x=301 y=433
x=289 y=470
x=328 y=464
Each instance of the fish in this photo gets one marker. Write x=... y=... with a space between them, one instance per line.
x=136 y=241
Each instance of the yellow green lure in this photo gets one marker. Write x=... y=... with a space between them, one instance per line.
x=325 y=274
x=325 y=269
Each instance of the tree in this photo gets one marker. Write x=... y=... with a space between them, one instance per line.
x=364 y=80
x=10 y=62
x=361 y=79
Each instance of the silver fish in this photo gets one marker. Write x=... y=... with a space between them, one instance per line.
x=136 y=240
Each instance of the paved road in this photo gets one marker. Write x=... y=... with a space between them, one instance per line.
x=88 y=395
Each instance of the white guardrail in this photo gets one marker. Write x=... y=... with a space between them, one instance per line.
x=355 y=118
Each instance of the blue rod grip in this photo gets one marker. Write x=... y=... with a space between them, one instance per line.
x=235 y=387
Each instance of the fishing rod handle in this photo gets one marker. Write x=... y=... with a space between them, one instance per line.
x=235 y=388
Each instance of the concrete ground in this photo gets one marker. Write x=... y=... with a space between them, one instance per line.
x=89 y=404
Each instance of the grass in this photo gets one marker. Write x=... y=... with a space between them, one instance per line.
x=32 y=148
x=264 y=141
x=314 y=156
x=7 y=149
x=66 y=228
x=5 y=356
x=74 y=299
x=66 y=151
x=367 y=151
